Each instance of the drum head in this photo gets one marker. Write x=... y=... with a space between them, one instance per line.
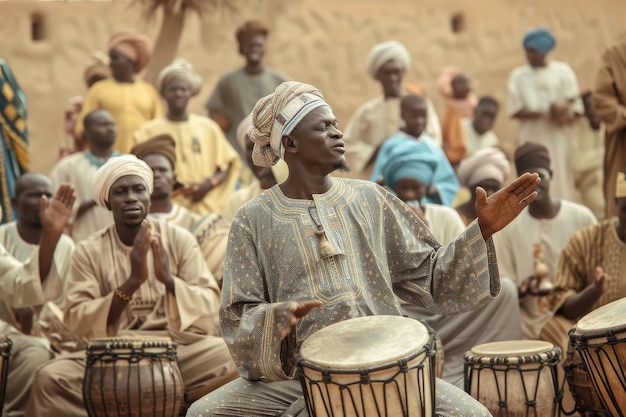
x=510 y=348
x=365 y=342
x=611 y=316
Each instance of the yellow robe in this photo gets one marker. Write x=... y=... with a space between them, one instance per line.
x=201 y=149
x=131 y=104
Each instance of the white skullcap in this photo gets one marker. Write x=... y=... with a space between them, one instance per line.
x=384 y=52
x=484 y=164
x=116 y=168
x=182 y=70
x=277 y=115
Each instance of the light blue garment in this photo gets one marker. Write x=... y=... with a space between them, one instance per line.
x=403 y=156
x=540 y=39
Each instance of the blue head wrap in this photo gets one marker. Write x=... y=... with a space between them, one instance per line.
x=541 y=40
x=409 y=159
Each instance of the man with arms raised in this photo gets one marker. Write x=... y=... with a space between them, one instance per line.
x=316 y=250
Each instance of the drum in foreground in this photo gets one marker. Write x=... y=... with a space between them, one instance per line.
x=370 y=366
x=600 y=338
x=132 y=377
x=516 y=378
x=5 y=352
x=588 y=402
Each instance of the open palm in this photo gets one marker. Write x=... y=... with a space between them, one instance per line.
x=499 y=209
x=55 y=214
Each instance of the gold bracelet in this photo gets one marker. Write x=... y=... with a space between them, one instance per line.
x=120 y=294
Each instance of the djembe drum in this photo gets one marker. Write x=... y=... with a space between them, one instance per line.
x=5 y=352
x=588 y=402
x=600 y=338
x=369 y=366
x=516 y=378
x=132 y=377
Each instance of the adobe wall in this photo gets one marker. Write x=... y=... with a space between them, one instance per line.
x=323 y=42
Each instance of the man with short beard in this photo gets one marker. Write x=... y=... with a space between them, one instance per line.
x=137 y=278
x=316 y=250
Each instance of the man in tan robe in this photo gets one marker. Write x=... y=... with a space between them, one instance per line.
x=136 y=278
x=609 y=104
x=23 y=286
x=212 y=232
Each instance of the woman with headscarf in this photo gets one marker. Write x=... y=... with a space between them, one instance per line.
x=131 y=101
x=407 y=172
x=488 y=168
x=544 y=96
x=207 y=165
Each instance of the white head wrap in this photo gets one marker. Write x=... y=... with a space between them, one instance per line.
x=277 y=115
x=116 y=168
x=182 y=70
x=484 y=164
x=384 y=52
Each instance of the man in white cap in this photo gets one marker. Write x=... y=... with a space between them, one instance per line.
x=209 y=166
x=379 y=118
x=140 y=278
x=315 y=237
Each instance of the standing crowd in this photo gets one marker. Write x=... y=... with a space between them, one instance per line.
x=227 y=233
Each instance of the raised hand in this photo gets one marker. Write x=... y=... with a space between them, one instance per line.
x=139 y=253
x=288 y=314
x=55 y=214
x=499 y=209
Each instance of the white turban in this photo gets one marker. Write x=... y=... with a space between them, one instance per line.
x=385 y=52
x=116 y=168
x=277 y=115
x=484 y=164
x=182 y=70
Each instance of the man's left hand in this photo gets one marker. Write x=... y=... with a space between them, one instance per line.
x=499 y=209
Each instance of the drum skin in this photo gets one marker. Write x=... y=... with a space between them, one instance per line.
x=514 y=378
x=132 y=377
x=600 y=338
x=369 y=366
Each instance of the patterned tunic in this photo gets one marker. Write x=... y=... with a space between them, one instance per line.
x=378 y=248
x=593 y=246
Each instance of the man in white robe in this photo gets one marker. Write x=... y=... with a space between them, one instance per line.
x=544 y=96
x=379 y=118
x=79 y=169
